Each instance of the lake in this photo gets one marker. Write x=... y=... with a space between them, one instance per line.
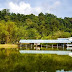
x=16 y=60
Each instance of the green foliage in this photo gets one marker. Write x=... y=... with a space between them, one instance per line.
x=61 y=34
x=14 y=27
x=8 y=31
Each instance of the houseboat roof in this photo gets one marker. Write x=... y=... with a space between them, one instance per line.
x=44 y=41
x=70 y=39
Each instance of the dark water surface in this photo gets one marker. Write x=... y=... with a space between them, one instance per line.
x=11 y=60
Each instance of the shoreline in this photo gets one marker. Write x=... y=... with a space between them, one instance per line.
x=8 y=46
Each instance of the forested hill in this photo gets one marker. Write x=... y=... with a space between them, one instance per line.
x=14 y=27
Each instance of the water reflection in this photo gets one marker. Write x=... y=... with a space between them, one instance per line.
x=37 y=48
x=13 y=61
x=63 y=71
x=45 y=52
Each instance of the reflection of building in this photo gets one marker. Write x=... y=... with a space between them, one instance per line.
x=37 y=48
x=36 y=43
x=63 y=41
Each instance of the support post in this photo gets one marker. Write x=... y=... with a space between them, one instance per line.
x=67 y=45
x=36 y=46
x=26 y=46
x=52 y=46
x=63 y=46
x=46 y=46
x=57 y=46
x=31 y=46
x=41 y=45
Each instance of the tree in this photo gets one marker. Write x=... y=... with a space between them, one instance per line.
x=61 y=34
x=14 y=27
x=54 y=25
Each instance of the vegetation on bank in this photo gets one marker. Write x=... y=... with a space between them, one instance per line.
x=14 y=27
x=8 y=46
x=12 y=61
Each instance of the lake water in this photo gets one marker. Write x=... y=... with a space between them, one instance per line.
x=15 y=60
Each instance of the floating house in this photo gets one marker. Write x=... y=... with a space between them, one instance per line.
x=69 y=45
x=62 y=41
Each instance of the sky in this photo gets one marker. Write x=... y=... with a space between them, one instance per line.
x=60 y=8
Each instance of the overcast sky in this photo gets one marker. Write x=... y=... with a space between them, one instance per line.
x=60 y=8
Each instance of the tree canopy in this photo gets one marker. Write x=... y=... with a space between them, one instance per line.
x=14 y=27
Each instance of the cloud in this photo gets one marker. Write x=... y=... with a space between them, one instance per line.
x=22 y=7
x=48 y=7
x=55 y=5
x=60 y=8
x=26 y=8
